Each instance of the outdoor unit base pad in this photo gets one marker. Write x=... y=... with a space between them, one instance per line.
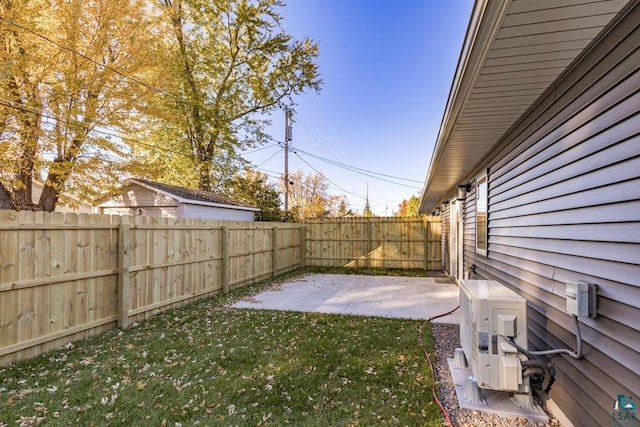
x=497 y=402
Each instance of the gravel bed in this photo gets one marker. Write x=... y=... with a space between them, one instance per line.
x=447 y=338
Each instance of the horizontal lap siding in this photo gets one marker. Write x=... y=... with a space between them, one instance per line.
x=138 y=196
x=564 y=204
x=469 y=219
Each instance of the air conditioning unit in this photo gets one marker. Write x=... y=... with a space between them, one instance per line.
x=490 y=314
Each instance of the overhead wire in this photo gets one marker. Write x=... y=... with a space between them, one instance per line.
x=134 y=141
x=94 y=128
x=82 y=55
x=266 y=147
x=277 y=175
x=360 y=171
x=333 y=183
x=362 y=196
x=269 y=158
x=337 y=161
x=320 y=173
x=297 y=119
x=371 y=174
x=374 y=200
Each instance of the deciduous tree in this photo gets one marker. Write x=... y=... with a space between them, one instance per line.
x=309 y=197
x=232 y=60
x=254 y=189
x=70 y=77
x=409 y=208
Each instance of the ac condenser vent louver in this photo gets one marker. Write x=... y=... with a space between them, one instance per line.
x=490 y=314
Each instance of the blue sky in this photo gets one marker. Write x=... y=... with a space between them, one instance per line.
x=387 y=68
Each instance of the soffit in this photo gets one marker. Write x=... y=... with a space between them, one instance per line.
x=513 y=51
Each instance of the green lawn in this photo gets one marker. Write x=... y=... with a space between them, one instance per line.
x=209 y=364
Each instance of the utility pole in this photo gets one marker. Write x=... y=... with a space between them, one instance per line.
x=288 y=137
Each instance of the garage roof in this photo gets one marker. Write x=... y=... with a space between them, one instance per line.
x=513 y=51
x=194 y=197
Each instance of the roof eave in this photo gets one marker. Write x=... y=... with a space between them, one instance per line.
x=484 y=24
x=513 y=53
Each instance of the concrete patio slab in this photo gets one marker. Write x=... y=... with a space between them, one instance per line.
x=382 y=296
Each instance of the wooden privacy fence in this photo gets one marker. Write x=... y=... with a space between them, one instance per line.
x=66 y=277
x=374 y=242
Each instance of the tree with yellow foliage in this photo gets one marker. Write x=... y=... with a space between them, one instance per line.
x=74 y=73
x=309 y=196
x=190 y=79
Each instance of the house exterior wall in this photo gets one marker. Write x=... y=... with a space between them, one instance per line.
x=139 y=200
x=470 y=257
x=139 y=197
x=36 y=192
x=211 y=212
x=160 y=211
x=564 y=204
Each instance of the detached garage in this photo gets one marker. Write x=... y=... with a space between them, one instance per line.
x=142 y=197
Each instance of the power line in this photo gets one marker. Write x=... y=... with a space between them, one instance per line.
x=316 y=138
x=260 y=149
x=375 y=200
x=152 y=88
x=362 y=171
x=371 y=175
x=95 y=129
x=378 y=200
x=11 y=104
x=320 y=173
x=19 y=107
x=365 y=172
x=278 y=176
x=82 y=55
x=338 y=163
x=269 y=158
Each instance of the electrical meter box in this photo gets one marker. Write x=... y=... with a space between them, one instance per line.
x=490 y=314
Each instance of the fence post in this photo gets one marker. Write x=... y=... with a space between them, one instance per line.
x=225 y=259
x=124 y=289
x=274 y=252
x=303 y=246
